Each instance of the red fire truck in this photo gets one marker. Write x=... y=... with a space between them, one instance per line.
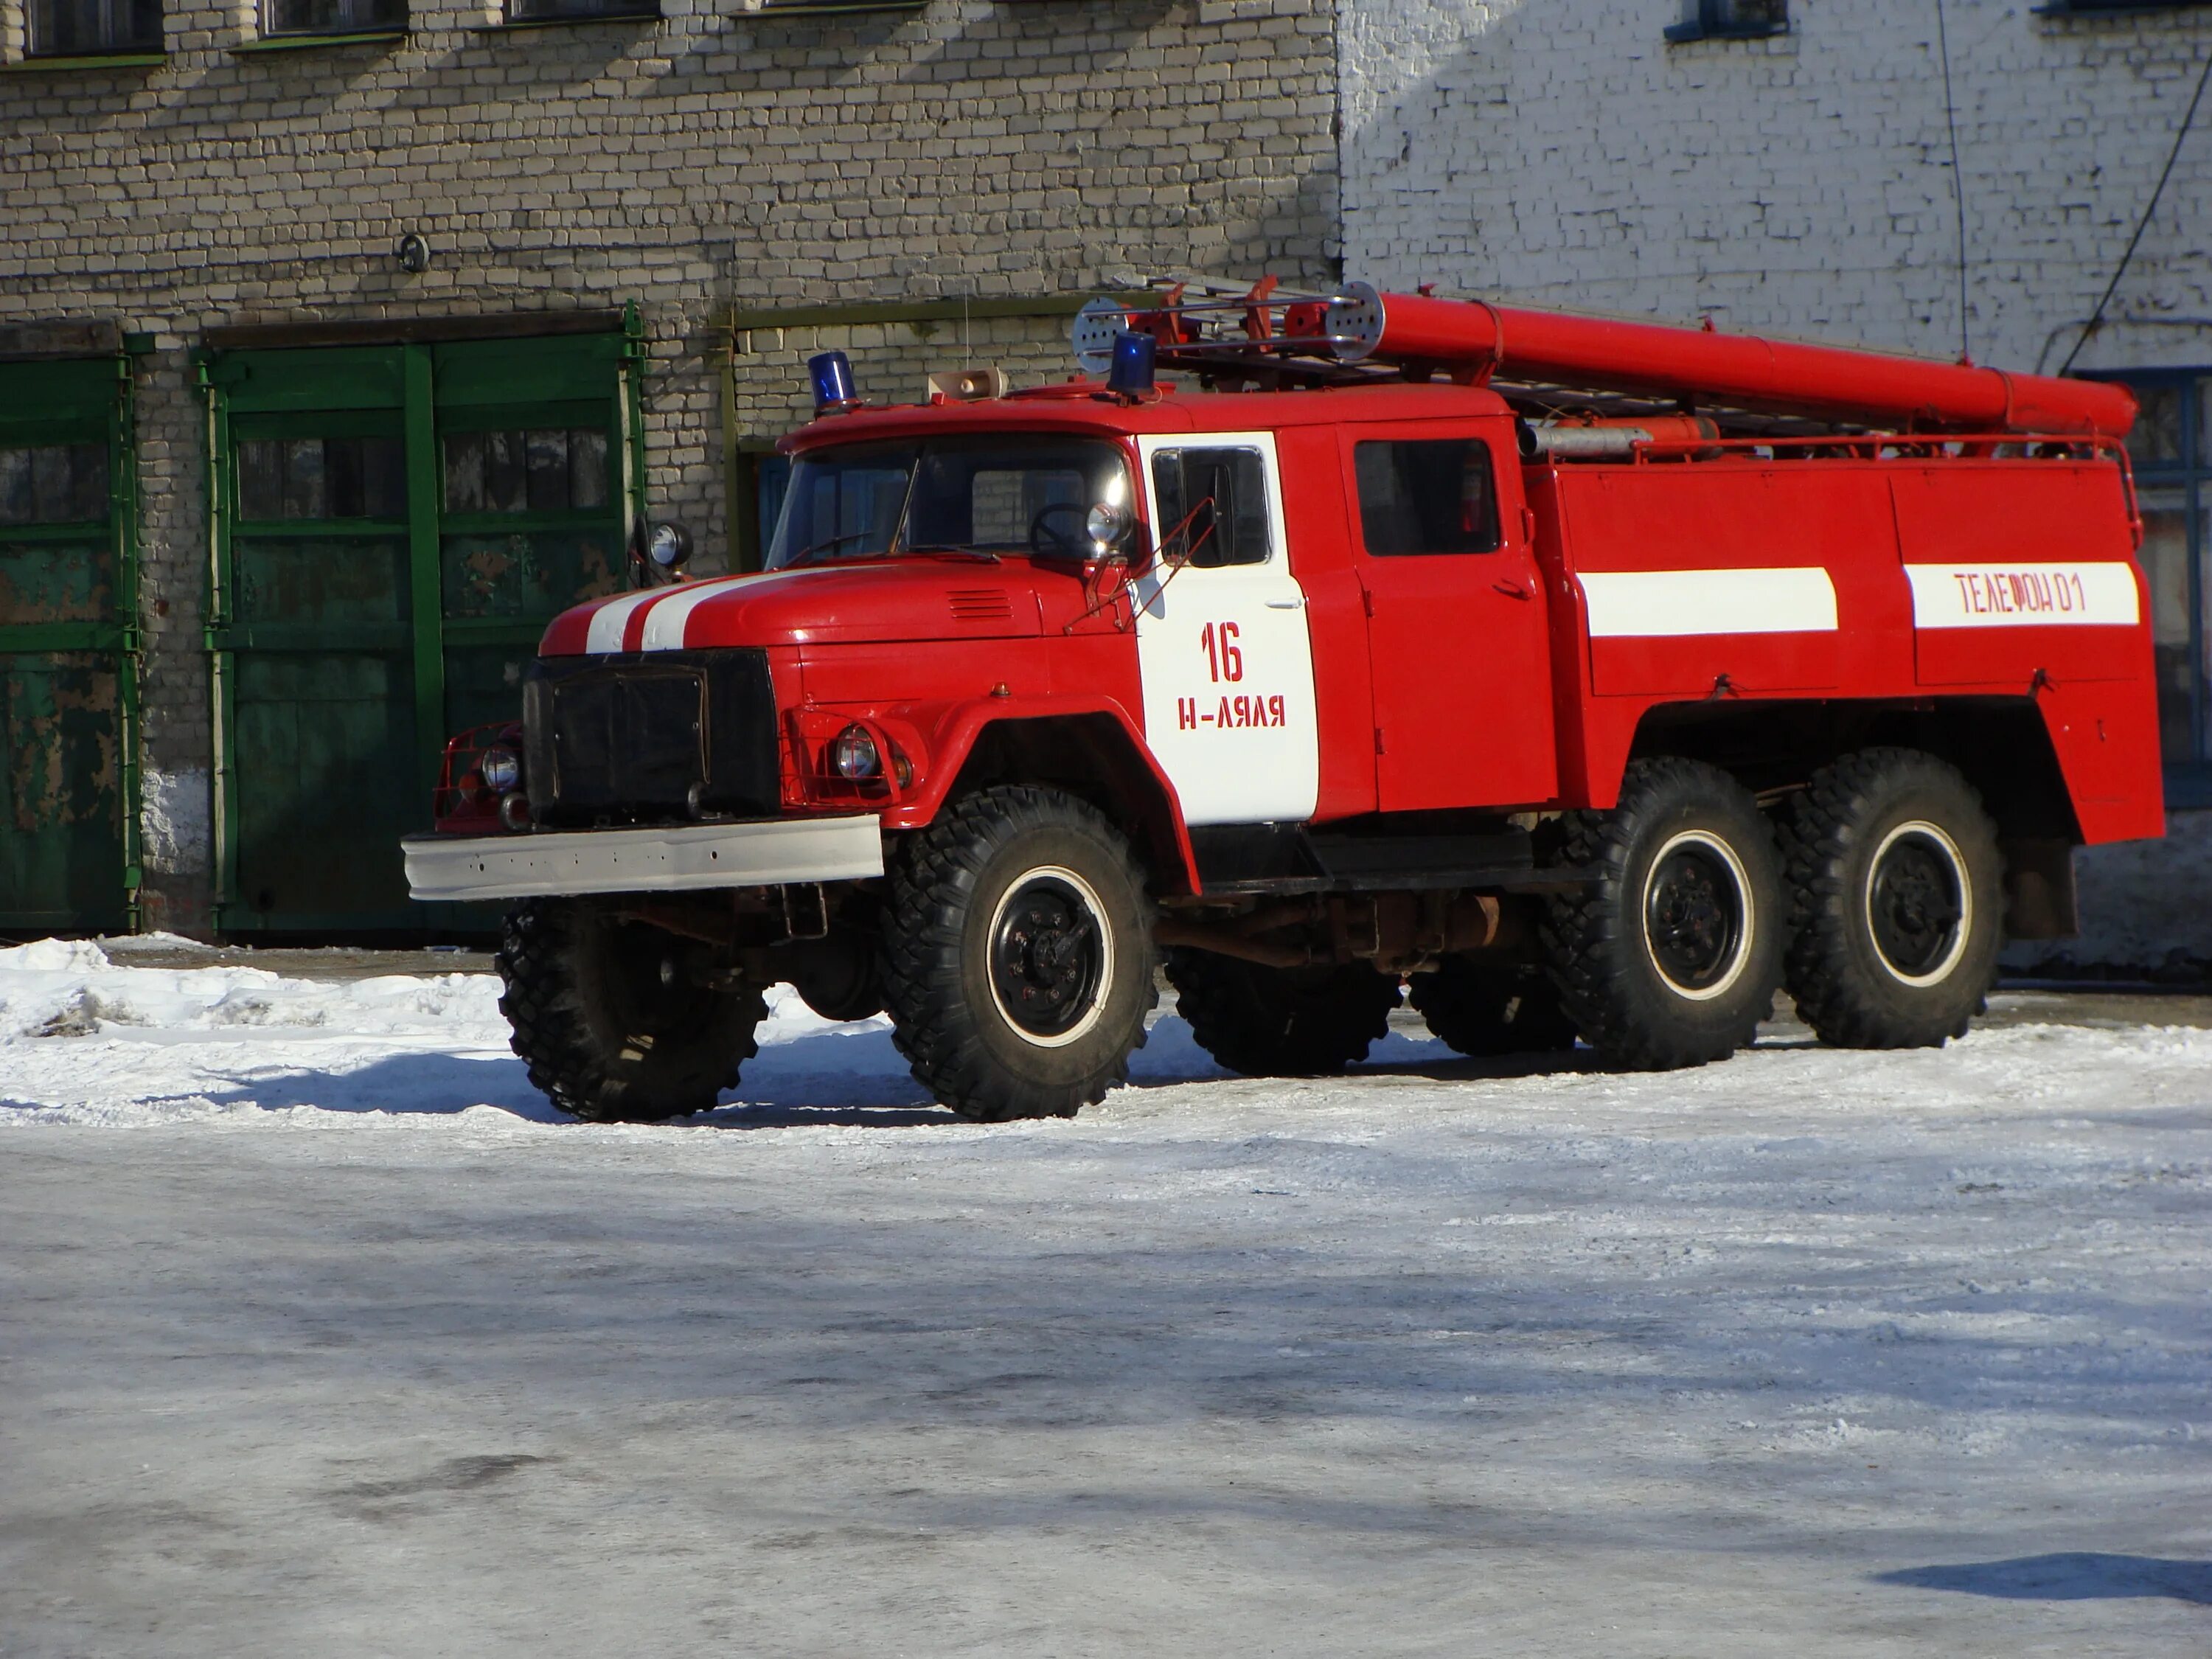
x=1590 y=679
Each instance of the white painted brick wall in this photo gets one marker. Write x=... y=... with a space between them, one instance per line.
x=1566 y=155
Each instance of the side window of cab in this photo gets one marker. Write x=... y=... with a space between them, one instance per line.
x=1426 y=496
x=1212 y=506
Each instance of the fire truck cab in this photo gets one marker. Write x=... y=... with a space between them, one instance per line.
x=1597 y=702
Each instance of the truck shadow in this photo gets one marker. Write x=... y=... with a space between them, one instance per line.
x=838 y=1076
x=2070 y=1576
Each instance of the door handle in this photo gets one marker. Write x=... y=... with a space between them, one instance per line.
x=1514 y=590
x=1298 y=603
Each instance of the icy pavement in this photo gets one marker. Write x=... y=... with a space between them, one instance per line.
x=319 y=1336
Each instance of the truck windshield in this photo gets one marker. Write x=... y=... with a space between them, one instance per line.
x=993 y=495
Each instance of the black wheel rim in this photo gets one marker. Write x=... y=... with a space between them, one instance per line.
x=1047 y=956
x=1693 y=915
x=1916 y=903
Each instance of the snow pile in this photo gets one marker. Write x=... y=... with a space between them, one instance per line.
x=89 y=1039
x=70 y=987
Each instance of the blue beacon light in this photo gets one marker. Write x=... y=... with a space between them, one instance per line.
x=831 y=372
x=1132 y=371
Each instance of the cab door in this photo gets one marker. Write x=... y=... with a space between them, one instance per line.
x=1222 y=643
x=1457 y=633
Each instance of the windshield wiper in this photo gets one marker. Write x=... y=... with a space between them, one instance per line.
x=976 y=555
x=806 y=554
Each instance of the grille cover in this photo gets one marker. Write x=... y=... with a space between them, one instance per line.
x=624 y=739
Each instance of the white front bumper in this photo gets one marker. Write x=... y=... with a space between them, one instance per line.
x=703 y=855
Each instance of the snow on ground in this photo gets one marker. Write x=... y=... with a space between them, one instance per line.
x=320 y=1333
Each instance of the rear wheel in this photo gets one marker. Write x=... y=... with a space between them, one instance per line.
x=1486 y=1009
x=1017 y=955
x=1672 y=955
x=1282 y=1022
x=1897 y=886
x=618 y=1021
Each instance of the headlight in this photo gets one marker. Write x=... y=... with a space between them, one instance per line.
x=853 y=754
x=502 y=770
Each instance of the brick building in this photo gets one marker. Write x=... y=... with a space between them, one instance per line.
x=1931 y=177
x=279 y=507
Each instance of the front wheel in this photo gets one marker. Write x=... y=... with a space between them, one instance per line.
x=1672 y=954
x=619 y=1022
x=1017 y=955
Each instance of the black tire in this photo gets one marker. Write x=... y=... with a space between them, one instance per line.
x=1488 y=1009
x=1898 y=895
x=1672 y=955
x=1017 y=955
x=1280 y=1022
x=618 y=1021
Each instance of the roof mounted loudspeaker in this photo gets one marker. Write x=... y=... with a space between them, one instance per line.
x=963 y=386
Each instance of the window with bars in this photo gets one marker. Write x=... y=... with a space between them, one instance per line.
x=2171 y=448
x=93 y=28
x=334 y=16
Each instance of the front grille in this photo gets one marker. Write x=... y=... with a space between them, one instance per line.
x=648 y=739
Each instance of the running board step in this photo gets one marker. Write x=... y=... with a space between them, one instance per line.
x=1290 y=858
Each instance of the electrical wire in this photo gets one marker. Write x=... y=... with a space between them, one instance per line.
x=1957 y=179
x=2188 y=119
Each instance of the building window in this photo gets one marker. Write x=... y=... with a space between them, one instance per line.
x=322 y=478
x=334 y=16
x=1725 y=20
x=578 y=11
x=53 y=483
x=543 y=470
x=2171 y=449
x=90 y=28
x=2106 y=8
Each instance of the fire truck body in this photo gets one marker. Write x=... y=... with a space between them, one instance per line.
x=1372 y=681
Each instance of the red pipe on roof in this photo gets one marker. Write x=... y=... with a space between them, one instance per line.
x=1474 y=339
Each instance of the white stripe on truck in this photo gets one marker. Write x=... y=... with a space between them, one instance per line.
x=611 y=619
x=1643 y=604
x=2023 y=595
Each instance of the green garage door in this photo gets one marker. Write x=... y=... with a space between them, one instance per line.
x=396 y=525
x=67 y=686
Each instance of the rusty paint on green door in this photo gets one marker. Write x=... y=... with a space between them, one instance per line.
x=68 y=685
x=396 y=526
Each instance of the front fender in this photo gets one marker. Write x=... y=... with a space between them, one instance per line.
x=1096 y=735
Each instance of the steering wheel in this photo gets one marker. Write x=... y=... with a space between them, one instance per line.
x=1048 y=541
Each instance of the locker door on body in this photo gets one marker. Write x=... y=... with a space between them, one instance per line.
x=1456 y=630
